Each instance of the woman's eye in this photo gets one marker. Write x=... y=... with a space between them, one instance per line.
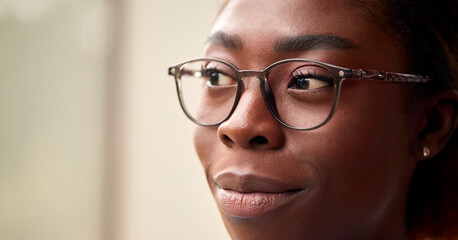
x=213 y=78
x=216 y=78
x=309 y=82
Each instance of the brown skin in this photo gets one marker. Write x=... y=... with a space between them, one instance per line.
x=356 y=169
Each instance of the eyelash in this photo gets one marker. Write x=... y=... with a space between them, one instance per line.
x=298 y=74
x=212 y=70
x=205 y=69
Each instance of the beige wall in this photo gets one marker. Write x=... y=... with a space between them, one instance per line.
x=162 y=188
x=93 y=143
x=52 y=118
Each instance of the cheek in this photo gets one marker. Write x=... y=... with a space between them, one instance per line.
x=206 y=144
x=201 y=141
x=362 y=153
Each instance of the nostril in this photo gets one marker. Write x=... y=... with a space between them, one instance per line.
x=227 y=139
x=260 y=140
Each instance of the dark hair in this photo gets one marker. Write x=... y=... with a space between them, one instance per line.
x=428 y=31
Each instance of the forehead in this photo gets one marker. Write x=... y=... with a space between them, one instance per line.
x=287 y=17
x=259 y=25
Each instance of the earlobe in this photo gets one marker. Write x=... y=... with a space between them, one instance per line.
x=441 y=113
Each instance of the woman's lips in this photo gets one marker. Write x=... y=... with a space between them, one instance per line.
x=253 y=204
x=250 y=195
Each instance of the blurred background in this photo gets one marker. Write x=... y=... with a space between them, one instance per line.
x=93 y=143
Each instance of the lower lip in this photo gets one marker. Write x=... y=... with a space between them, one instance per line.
x=249 y=205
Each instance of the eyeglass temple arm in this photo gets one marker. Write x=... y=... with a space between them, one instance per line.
x=384 y=76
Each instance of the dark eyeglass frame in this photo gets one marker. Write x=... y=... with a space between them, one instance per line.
x=339 y=74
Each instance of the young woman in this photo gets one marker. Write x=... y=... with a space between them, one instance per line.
x=329 y=119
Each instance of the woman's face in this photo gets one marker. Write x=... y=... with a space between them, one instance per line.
x=345 y=180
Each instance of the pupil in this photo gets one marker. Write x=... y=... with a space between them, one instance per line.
x=214 y=77
x=303 y=83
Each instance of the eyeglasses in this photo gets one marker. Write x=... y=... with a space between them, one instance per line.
x=301 y=94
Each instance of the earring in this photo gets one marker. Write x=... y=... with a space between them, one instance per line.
x=426 y=152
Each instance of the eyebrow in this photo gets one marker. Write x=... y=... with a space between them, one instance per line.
x=304 y=42
x=312 y=41
x=223 y=39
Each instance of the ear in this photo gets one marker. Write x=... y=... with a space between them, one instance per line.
x=440 y=113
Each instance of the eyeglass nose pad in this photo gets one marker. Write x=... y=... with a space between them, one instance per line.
x=241 y=86
x=247 y=79
x=269 y=96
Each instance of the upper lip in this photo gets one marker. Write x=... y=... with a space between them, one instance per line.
x=249 y=183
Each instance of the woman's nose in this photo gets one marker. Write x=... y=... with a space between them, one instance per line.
x=252 y=125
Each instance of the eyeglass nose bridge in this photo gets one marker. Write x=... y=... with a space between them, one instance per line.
x=243 y=75
x=246 y=74
x=251 y=73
